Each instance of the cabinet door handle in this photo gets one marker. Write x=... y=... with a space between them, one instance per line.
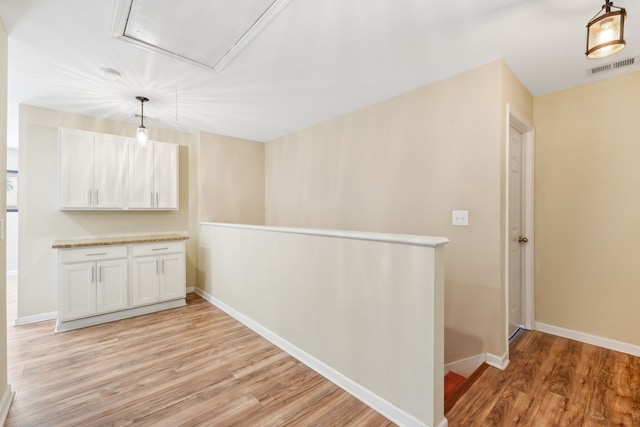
x=162 y=266
x=93 y=274
x=101 y=253
x=90 y=196
x=151 y=193
x=156 y=199
x=157 y=268
x=159 y=249
x=97 y=197
x=100 y=274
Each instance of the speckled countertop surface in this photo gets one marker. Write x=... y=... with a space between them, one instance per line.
x=110 y=241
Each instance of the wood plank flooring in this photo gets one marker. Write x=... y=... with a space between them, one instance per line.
x=553 y=381
x=188 y=366
x=197 y=366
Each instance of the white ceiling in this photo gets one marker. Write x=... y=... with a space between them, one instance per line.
x=318 y=59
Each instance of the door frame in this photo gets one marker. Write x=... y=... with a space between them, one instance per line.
x=522 y=125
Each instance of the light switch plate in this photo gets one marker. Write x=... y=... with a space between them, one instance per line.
x=460 y=218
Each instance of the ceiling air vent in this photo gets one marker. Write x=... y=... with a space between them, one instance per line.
x=613 y=66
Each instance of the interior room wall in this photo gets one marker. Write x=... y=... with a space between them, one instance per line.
x=231 y=180
x=41 y=223
x=587 y=190
x=6 y=394
x=12 y=221
x=402 y=166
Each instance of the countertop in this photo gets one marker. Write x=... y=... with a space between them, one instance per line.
x=111 y=241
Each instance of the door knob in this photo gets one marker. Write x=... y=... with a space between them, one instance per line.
x=522 y=239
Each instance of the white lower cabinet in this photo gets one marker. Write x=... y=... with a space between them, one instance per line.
x=158 y=272
x=104 y=283
x=112 y=286
x=92 y=281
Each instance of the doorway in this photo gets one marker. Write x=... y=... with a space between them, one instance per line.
x=519 y=224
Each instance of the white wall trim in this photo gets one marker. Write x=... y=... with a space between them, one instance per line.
x=466 y=367
x=12 y=272
x=500 y=362
x=42 y=317
x=190 y=289
x=379 y=404
x=5 y=403
x=623 y=347
x=407 y=239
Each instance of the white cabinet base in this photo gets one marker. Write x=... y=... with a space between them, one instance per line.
x=118 y=315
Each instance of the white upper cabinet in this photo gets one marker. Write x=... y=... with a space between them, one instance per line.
x=141 y=191
x=91 y=170
x=76 y=169
x=153 y=175
x=165 y=175
x=109 y=170
x=100 y=171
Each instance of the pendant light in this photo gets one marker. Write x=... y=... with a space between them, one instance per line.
x=605 y=32
x=141 y=133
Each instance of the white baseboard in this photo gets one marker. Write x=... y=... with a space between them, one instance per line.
x=191 y=289
x=620 y=346
x=379 y=404
x=12 y=272
x=500 y=362
x=42 y=317
x=466 y=367
x=5 y=403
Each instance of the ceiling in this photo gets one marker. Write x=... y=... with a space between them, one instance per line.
x=314 y=61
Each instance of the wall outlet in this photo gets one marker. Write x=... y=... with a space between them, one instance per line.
x=460 y=218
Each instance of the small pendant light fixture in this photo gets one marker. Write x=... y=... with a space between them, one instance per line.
x=141 y=133
x=605 y=32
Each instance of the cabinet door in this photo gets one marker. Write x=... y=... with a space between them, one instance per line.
x=173 y=280
x=145 y=280
x=109 y=171
x=76 y=168
x=165 y=162
x=140 y=177
x=112 y=285
x=77 y=291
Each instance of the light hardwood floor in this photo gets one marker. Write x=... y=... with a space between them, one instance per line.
x=197 y=366
x=188 y=366
x=553 y=381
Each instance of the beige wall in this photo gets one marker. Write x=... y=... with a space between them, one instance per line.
x=402 y=166
x=41 y=222
x=5 y=388
x=231 y=180
x=587 y=190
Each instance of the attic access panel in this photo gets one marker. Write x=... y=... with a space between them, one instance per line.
x=208 y=33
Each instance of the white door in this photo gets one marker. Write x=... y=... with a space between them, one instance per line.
x=145 y=287
x=112 y=286
x=173 y=283
x=516 y=238
x=165 y=175
x=76 y=168
x=140 y=177
x=109 y=161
